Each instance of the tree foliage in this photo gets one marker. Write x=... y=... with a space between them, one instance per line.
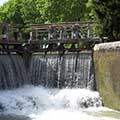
x=64 y=10
x=107 y=14
x=10 y=12
x=42 y=11
x=29 y=12
x=19 y=12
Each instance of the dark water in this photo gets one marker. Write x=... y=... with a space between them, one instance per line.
x=50 y=71
x=14 y=117
x=12 y=71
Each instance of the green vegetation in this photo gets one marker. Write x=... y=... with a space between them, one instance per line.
x=105 y=12
x=43 y=11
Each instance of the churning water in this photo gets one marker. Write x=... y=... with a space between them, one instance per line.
x=53 y=104
x=72 y=73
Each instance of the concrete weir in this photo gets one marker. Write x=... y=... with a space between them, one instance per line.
x=107 y=71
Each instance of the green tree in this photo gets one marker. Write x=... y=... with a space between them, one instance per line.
x=62 y=10
x=43 y=11
x=29 y=12
x=20 y=12
x=107 y=14
x=10 y=12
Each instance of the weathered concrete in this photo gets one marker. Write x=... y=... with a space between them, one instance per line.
x=107 y=72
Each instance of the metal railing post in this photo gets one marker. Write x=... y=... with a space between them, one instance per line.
x=88 y=31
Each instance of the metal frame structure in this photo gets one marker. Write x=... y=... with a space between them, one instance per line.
x=59 y=37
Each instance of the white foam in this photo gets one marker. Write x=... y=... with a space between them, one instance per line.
x=50 y=104
x=66 y=114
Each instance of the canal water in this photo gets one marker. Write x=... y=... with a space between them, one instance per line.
x=50 y=88
x=39 y=103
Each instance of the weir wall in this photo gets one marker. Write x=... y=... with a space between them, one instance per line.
x=107 y=73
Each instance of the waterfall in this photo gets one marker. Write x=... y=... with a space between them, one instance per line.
x=70 y=70
x=49 y=102
x=12 y=72
x=53 y=71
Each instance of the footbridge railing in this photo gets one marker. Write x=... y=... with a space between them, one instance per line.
x=61 y=37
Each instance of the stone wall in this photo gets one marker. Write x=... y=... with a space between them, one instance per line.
x=107 y=72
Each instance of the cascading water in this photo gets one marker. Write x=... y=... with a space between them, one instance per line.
x=49 y=71
x=62 y=71
x=72 y=73
x=12 y=72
